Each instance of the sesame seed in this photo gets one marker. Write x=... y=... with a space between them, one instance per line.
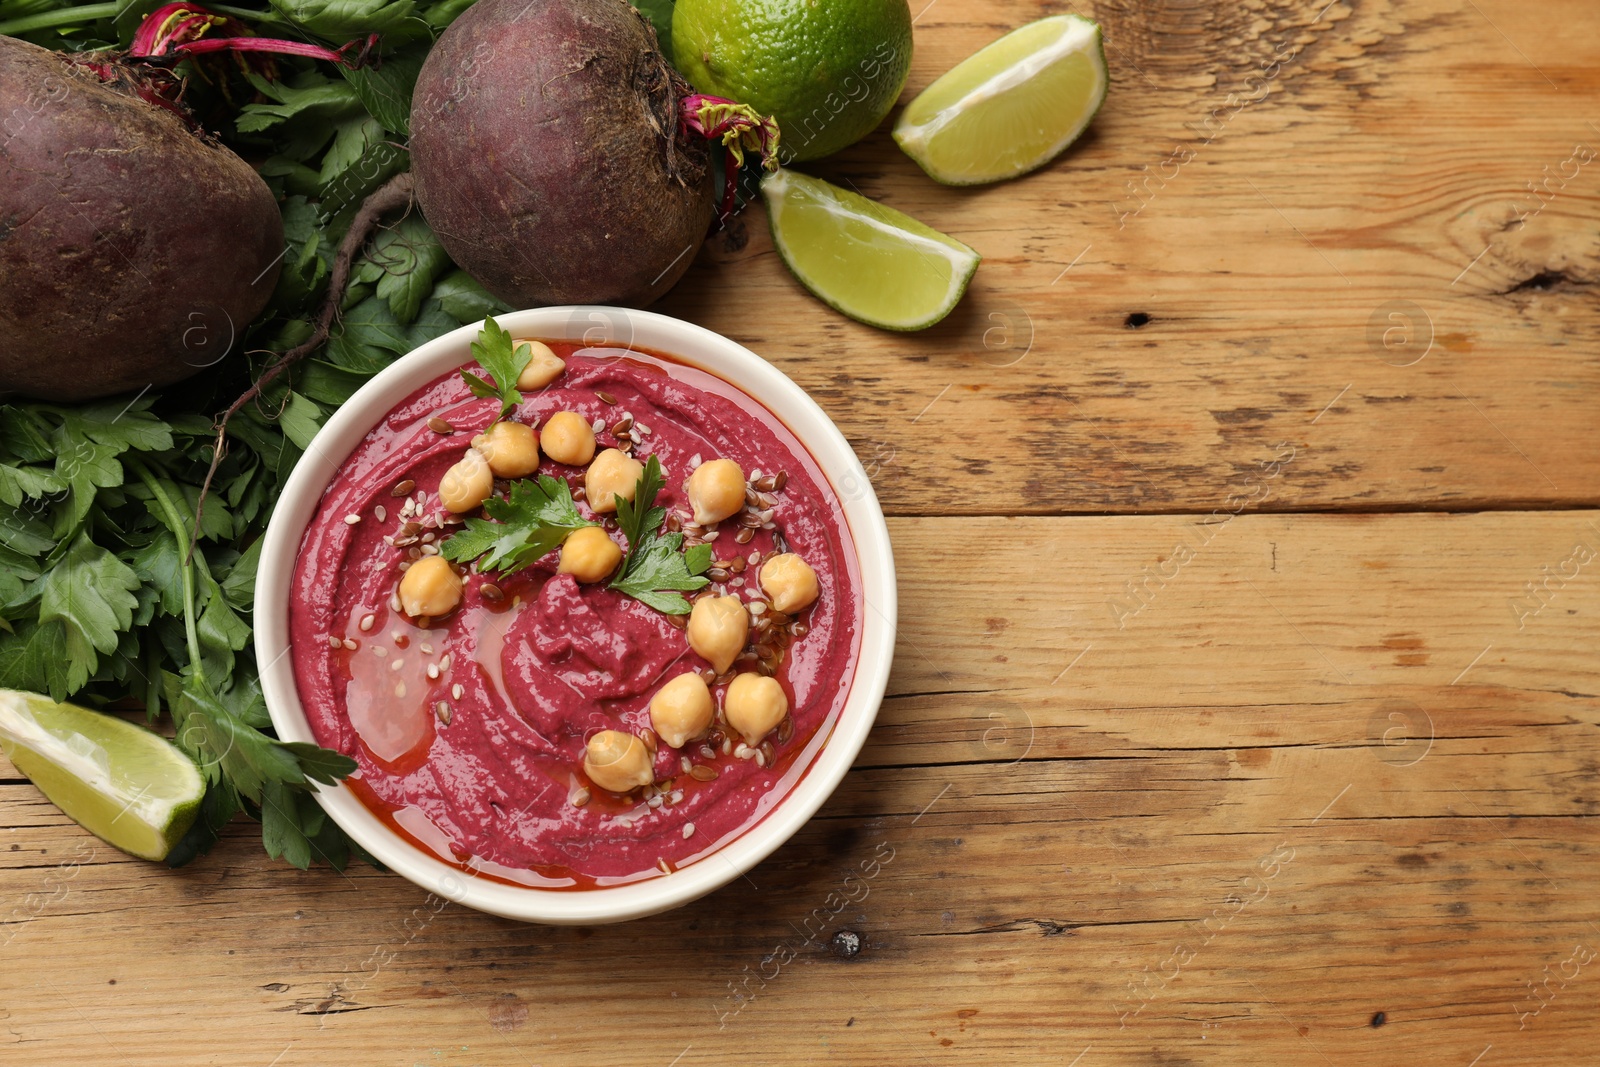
x=380 y=513
x=688 y=830
x=367 y=622
x=352 y=519
x=349 y=645
x=379 y=651
x=663 y=865
x=334 y=642
x=444 y=664
x=400 y=689
x=426 y=649
x=456 y=690
x=695 y=461
x=433 y=670
x=580 y=797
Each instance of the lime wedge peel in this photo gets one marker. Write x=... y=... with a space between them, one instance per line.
x=126 y=785
x=862 y=258
x=1011 y=107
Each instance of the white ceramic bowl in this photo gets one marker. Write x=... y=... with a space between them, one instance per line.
x=595 y=326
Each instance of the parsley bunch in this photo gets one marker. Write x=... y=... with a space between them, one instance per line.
x=101 y=600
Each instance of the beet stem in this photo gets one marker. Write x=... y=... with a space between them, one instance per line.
x=739 y=127
x=394 y=195
x=177 y=30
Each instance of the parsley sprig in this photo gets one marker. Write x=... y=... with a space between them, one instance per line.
x=653 y=563
x=505 y=363
x=533 y=520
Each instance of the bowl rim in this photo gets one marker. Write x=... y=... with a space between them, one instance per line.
x=695 y=346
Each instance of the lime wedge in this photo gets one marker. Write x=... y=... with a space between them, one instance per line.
x=122 y=783
x=871 y=262
x=1009 y=108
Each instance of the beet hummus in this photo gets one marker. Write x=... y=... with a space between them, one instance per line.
x=485 y=733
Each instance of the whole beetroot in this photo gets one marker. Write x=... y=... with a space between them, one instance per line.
x=132 y=250
x=549 y=154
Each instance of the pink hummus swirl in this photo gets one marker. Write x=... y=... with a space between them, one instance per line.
x=469 y=734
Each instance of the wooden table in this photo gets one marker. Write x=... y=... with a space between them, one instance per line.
x=1244 y=709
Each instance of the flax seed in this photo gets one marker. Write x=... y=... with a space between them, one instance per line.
x=438 y=425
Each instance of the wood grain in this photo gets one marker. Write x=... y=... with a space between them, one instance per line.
x=1287 y=253
x=1245 y=702
x=1281 y=765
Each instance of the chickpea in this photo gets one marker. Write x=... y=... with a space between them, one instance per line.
x=789 y=582
x=681 y=709
x=588 y=554
x=544 y=368
x=613 y=473
x=568 y=438
x=753 y=705
x=618 y=761
x=716 y=491
x=718 y=627
x=512 y=449
x=431 y=587
x=468 y=484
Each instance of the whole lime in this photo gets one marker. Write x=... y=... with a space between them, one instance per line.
x=827 y=70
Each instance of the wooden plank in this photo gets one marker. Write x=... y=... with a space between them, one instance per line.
x=1353 y=262
x=1210 y=840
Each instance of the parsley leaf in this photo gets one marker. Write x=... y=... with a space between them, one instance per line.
x=91 y=592
x=504 y=362
x=653 y=562
x=533 y=520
